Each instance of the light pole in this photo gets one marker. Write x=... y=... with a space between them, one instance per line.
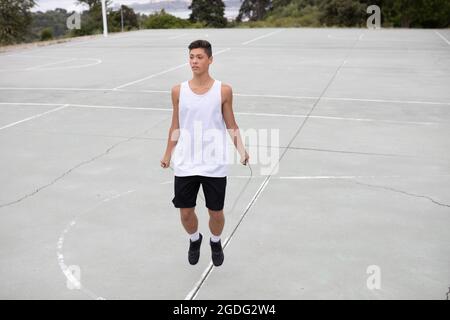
x=121 y=16
x=105 y=22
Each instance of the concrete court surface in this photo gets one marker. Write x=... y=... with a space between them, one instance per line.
x=359 y=207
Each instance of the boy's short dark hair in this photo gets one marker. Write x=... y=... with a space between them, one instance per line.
x=205 y=45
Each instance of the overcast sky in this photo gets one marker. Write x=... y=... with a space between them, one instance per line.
x=69 y=5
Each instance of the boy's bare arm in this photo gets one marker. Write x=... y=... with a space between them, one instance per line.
x=174 y=131
x=230 y=122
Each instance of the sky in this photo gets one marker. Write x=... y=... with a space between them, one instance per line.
x=69 y=5
x=73 y=5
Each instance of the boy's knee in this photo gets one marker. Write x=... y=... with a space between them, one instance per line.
x=215 y=213
x=187 y=213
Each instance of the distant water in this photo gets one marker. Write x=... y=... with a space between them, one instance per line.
x=230 y=14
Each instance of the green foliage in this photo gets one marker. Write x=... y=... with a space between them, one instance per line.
x=130 y=20
x=288 y=13
x=18 y=24
x=15 y=20
x=348 y=13
x=254 y=10
x=46 y=34
x=92 y=19
x=163 y=20
x=343 y=13
x=55 y=20
x=208 y=12
x=417 y=13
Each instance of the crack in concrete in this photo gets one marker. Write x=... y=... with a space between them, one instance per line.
x=251 y=145
x=90 y=135
x=401 y=191
x=356 y=152
x=78 y=166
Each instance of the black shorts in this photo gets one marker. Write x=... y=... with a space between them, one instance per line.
x=186 y=190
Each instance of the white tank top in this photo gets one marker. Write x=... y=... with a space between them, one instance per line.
x=202 y=144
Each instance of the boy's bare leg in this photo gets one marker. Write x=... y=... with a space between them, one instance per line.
x=216 y=222
x=189 y=220
x=190 y=224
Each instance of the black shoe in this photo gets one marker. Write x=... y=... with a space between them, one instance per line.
x=216 y=253
x=194 y=250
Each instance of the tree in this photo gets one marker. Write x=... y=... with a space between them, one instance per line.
x=56 y=20
x=130 y=19
x=15 y=20
x=417 y=13
x=345 y=13
x=91 y=20
x=46 y=34
x=256 y=9
x=209 y=12
x=350 y=13
x=163 y=20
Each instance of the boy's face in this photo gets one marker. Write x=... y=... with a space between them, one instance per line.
x=199 y=60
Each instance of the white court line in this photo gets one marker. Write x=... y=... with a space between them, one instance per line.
x=386 y=101
x=376 y=120
x=376 y=40
x=62 y=89
x=96 y=62
x=334 y=177
x=261 y=37
x=163 y=72
x=193 y=293
x=85 y=106
x=151 y=76
x=83 y=89
x=33 y=117
x=71 y=279
x=354 y=177
x=49 y=64
x=332 y=118
x=340 y=99
x=236 y=113
x=144 y=91
x=275 y=96
x=442 y=37
x=119 y=107
x=30 y=104
x=328 y=177
x=239 y=95
x=89 y=64
x=38 y=56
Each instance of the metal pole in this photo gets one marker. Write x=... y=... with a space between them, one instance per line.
x=121 y=16
x=105 y=22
